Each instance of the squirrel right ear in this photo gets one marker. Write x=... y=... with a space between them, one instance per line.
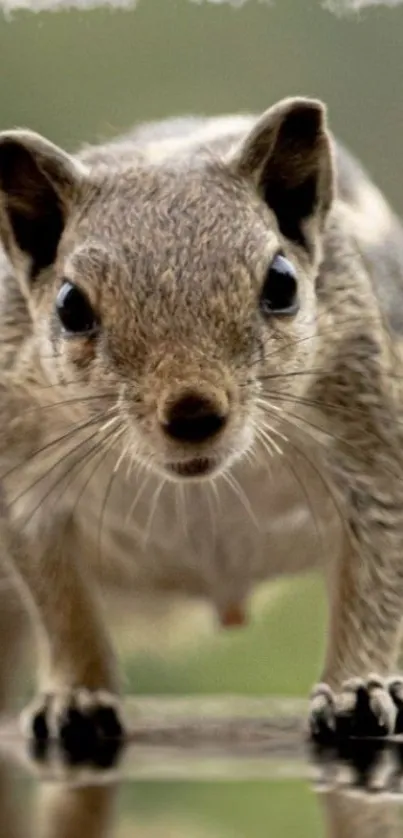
x=38 y=182
x=288 y=157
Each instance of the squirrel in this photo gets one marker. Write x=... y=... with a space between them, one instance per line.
x=201 y=326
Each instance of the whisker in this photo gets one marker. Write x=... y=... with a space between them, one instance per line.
x=106 y=497
x=121 y=457
x=109 y=422
x=266 y=442
x=319 y=332
x=138 y=494
x=39 y=408
x=273 y=445
x=59 y=479
x=213 y=486
x=55 y=465
x=311 y=427
x=83 y=426
x=104 y=446
x=212 y=517
x=290 y=466
x=318 y=473
x=320 y=404
x=62 y=384
x=153 y=507
x=238 y=491
x=180 y=489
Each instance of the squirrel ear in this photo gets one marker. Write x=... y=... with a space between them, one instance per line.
x=288 y=156
x=38 y=182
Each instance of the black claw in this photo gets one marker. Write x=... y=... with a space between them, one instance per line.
x=107 y=723
x=76 y=735
x=395 y=690
x=95 y=739
x=93 y=736
x=344 y=727
x=321 y=751
x=399 y=721
x=38 y=749
x=107 y=753
x=321 y=735
x=361 y=722
x=40 y=730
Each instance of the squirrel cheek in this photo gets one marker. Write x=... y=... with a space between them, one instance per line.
x=81 y=352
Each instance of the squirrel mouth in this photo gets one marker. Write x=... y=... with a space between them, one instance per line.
x=198 y=467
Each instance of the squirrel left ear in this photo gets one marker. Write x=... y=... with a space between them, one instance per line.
x=288 y=157
x=38 y=182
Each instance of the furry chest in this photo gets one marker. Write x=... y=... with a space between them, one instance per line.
x=214 y=542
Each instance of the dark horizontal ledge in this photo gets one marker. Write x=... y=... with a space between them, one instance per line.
x=207 y=738
x=188 y=738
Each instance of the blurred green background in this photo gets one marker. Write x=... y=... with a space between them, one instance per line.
x=80 y=76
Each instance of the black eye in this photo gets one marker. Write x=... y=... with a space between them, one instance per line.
x=280 y=291
x=74 y=310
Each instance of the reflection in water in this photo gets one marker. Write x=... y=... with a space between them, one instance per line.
x=363 y=791
x=88 y=801
x=65 y=812
x=59 y=809
x=371 y=766
x=346 y=816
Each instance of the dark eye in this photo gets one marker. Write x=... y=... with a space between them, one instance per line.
x=74 y=310
x=280 y=291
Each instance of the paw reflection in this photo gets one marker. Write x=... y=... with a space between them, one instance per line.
x=371 y=765
x=94 y=753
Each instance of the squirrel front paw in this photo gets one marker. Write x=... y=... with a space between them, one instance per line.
x=75 y=719
x=363 y=708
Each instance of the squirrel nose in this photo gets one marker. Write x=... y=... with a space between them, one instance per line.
x=194 y=418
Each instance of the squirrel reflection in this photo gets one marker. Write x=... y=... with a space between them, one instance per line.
x=80 y=803
x=347 y=815
x=67 y=812
x=362 y=790
x=58 y=810
x=351 y=786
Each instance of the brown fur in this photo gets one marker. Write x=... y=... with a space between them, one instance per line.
x=170 y=232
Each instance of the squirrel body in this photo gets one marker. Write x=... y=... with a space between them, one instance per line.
x=201 y=351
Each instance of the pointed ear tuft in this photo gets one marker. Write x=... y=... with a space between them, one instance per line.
x=38 y=182
x=288 y=156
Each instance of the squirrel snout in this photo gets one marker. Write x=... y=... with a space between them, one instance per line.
x=194 y=417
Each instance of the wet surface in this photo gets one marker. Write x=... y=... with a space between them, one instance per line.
x=203 y=767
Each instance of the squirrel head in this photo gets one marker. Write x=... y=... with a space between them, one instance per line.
x=175 y=297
